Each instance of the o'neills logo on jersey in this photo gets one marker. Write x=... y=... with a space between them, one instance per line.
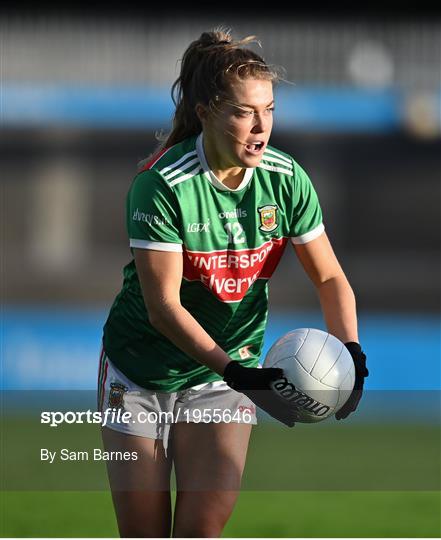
x=301 y=400
x=237 y=213
x=268 y=217
x=230 y=273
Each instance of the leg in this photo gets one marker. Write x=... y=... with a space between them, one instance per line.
x=209 y=462
x=140 y=488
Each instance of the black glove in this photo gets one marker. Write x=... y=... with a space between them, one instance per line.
x=360 y=373
x=256 y=384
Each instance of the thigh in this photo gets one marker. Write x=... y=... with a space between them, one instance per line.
x=209 y=461
x=140 y=485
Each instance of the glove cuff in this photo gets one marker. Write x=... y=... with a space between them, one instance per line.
x=359 y=358
x=353 y=347
x=232 y=369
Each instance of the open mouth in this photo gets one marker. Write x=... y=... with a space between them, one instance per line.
x=255 y=147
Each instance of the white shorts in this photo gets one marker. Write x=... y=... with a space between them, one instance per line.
x=137 y=411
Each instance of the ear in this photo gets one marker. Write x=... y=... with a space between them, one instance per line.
x=201 y=112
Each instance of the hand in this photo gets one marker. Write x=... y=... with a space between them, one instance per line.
x=256 y=384
x=361 y=373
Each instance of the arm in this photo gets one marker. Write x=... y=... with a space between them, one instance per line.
x=160 y=276
x=336 y=296
x=338 y=306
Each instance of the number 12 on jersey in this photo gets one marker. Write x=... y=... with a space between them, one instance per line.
x=236 y=234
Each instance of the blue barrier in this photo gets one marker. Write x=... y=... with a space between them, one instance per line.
x=339 y=109
x=298 y=108
x=54 y=348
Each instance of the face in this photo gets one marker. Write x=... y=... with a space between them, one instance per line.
x=237 y=133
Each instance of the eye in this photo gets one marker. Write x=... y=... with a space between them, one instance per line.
x=244 y=113
x=270 y=110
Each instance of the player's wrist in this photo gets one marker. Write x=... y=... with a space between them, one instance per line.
x=231 y=365
x=359 y=358
x=233 y=372
x=354 y=347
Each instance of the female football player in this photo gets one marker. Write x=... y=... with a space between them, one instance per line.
x=208 y=218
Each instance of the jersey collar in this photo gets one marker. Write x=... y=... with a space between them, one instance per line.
x=209 y=174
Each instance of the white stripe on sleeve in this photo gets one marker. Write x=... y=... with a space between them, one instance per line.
x=307 y=237
x=156 y=246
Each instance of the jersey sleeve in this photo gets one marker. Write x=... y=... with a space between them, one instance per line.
x=307 y=220
x=153 y=214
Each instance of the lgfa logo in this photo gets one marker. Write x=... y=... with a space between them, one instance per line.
x=198 y=227
x=268 y=217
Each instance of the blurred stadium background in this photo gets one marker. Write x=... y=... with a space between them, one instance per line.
x=81 y=99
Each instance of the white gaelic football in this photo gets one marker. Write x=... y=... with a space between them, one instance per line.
x=319 y=372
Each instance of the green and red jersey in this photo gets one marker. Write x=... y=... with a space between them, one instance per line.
x=231 y=242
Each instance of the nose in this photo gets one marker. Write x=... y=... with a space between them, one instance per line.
x=260 y=123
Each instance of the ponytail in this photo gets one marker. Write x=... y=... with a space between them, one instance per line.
x=208 y=66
